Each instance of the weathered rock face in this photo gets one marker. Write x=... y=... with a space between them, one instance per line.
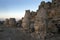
x=46 y=17
x=12 y=22
x=52 y=26
x=26 y=20
x=45 y=21
x=54 y=15
x=56 y=1
x=19 y=23
x=40 y=23
x=6 y=23
x=40 y=18
x=32 y=21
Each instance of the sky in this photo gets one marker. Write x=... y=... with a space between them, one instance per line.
x=16 y=8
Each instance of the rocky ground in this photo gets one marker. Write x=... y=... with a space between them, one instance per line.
x=7 y=33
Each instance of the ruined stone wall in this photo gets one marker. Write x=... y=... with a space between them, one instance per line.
x=26 y=20
x=40 y=23
x=12 y=22
x=43 y=17
x=6 y=22
x=32 y=21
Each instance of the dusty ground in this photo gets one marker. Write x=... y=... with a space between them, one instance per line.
x=18 y=34
x=13 y=34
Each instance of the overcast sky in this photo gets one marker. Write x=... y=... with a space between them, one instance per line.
x=16 y=8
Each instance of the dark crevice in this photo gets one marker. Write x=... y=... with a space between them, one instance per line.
x=58 y=26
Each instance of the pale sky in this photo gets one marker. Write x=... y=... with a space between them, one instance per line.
x=16 y=8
